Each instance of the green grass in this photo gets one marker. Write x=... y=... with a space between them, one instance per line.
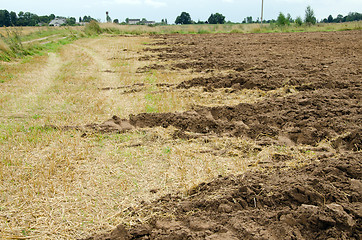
x=5 y=76
x=46 y=32
x=14 y=45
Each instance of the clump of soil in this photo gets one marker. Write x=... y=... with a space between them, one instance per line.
x=304 y=118
x=319 y=201
x=251 y=79
x=115 y=124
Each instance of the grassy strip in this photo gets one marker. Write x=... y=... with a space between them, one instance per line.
x=13 y=44
x=226 y=28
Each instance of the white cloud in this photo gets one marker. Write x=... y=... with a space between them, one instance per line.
x=228 y=1
x=155 y=4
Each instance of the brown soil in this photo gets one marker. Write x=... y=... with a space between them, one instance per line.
x=301 y=119
x=267 y=61
x=321 y=72
x=320 y=201
x=304 y=118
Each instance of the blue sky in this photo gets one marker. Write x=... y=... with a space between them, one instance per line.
x=233 y=10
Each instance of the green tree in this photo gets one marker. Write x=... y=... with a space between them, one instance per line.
x=13 y=19
x=310 y=19
x=354 y=17
x=184 y=18
x=88 y=19
x=339 y=18
x=216 y=18
x=71 y=21
x=282 y=20
x=249 y=19
x=164 y=21
x=330 y=19
x=45 y=19
x=116 y=21
x=5 y=18
x=28 y=19
x=299 y=21
x=20 y=21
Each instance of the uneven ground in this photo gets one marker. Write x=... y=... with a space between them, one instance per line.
x=320 y=108
x=224 y=136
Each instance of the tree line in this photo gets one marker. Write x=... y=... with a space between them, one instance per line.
x=282 y=19
x=30 y=19
x=340 y=18
x=8 y=19
x=185 y=18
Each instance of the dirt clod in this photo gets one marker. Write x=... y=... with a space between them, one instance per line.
x=314 y=202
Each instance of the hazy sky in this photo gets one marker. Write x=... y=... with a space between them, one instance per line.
x=233 y=10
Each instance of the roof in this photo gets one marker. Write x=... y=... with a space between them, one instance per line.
x=58 y=21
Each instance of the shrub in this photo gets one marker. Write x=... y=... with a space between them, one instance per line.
x=282 y=20
x=93 y=28
x=298 y=21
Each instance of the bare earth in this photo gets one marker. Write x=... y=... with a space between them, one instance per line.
x=320 y=76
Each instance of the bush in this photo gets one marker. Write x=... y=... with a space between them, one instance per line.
x=282 y=20
x=92 y=28
x=298 y=21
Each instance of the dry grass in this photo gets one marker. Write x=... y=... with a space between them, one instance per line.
x=3 y=46
x=227 y=28
x=60 y=185
x=193 y=28
x=31 y=30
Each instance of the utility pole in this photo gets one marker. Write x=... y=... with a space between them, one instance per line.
x=262 y=11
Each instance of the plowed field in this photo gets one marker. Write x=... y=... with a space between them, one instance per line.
x=311 y=88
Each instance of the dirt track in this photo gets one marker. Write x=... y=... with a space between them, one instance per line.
x=321 y=76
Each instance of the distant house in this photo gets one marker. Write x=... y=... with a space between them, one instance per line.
x=150 y=22
x=134 y=21
x=57 y=22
